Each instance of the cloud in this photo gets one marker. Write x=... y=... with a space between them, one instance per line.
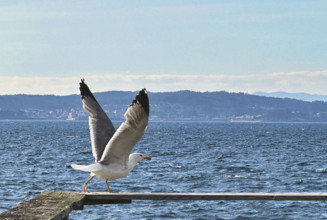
x=313 y=82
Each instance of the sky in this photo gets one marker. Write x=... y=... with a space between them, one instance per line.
x=47 y=46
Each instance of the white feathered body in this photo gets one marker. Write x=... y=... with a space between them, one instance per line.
x=111 y=171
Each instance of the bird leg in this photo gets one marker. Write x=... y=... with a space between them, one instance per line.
x=84 y=186
x=108 y=186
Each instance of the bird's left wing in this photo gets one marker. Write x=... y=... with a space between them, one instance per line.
x=129 y=132
x=101 y=127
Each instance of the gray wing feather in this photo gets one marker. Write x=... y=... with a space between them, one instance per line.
x=101 y=128
x=129 y=132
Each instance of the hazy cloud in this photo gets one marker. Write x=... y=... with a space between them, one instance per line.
x=309 y=82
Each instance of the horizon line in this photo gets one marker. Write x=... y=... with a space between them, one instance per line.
x=310 y=82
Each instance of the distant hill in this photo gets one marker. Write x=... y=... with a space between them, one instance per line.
x=299 y=96
x=168 y=106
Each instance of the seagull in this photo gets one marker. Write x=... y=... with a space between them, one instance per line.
x=111 y=148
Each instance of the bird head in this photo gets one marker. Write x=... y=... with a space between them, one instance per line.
x=137 y=157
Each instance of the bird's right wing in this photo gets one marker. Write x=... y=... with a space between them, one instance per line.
x=129 y=132
x=101 y=128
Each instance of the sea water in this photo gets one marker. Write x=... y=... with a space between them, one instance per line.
x=186 y=157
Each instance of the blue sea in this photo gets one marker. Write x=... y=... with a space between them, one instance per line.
x=186 y=157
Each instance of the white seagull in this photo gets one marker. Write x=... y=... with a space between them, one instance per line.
x=111 y=149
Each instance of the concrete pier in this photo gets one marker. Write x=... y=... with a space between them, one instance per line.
x=58 y=205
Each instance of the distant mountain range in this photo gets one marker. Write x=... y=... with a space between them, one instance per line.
x=300 y=96
x=168 y=106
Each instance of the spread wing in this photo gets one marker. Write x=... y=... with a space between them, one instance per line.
x=101 y=128
x=129 y=132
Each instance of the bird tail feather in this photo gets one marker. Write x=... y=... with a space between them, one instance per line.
x=87 y=168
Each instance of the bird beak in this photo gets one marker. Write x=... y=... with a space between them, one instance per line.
x=147 y=158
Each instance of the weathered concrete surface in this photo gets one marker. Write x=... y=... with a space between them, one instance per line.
x=47 y=205
x=58 y=205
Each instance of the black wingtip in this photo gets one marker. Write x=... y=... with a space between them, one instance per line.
x=143 y=99
x=85 y=91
